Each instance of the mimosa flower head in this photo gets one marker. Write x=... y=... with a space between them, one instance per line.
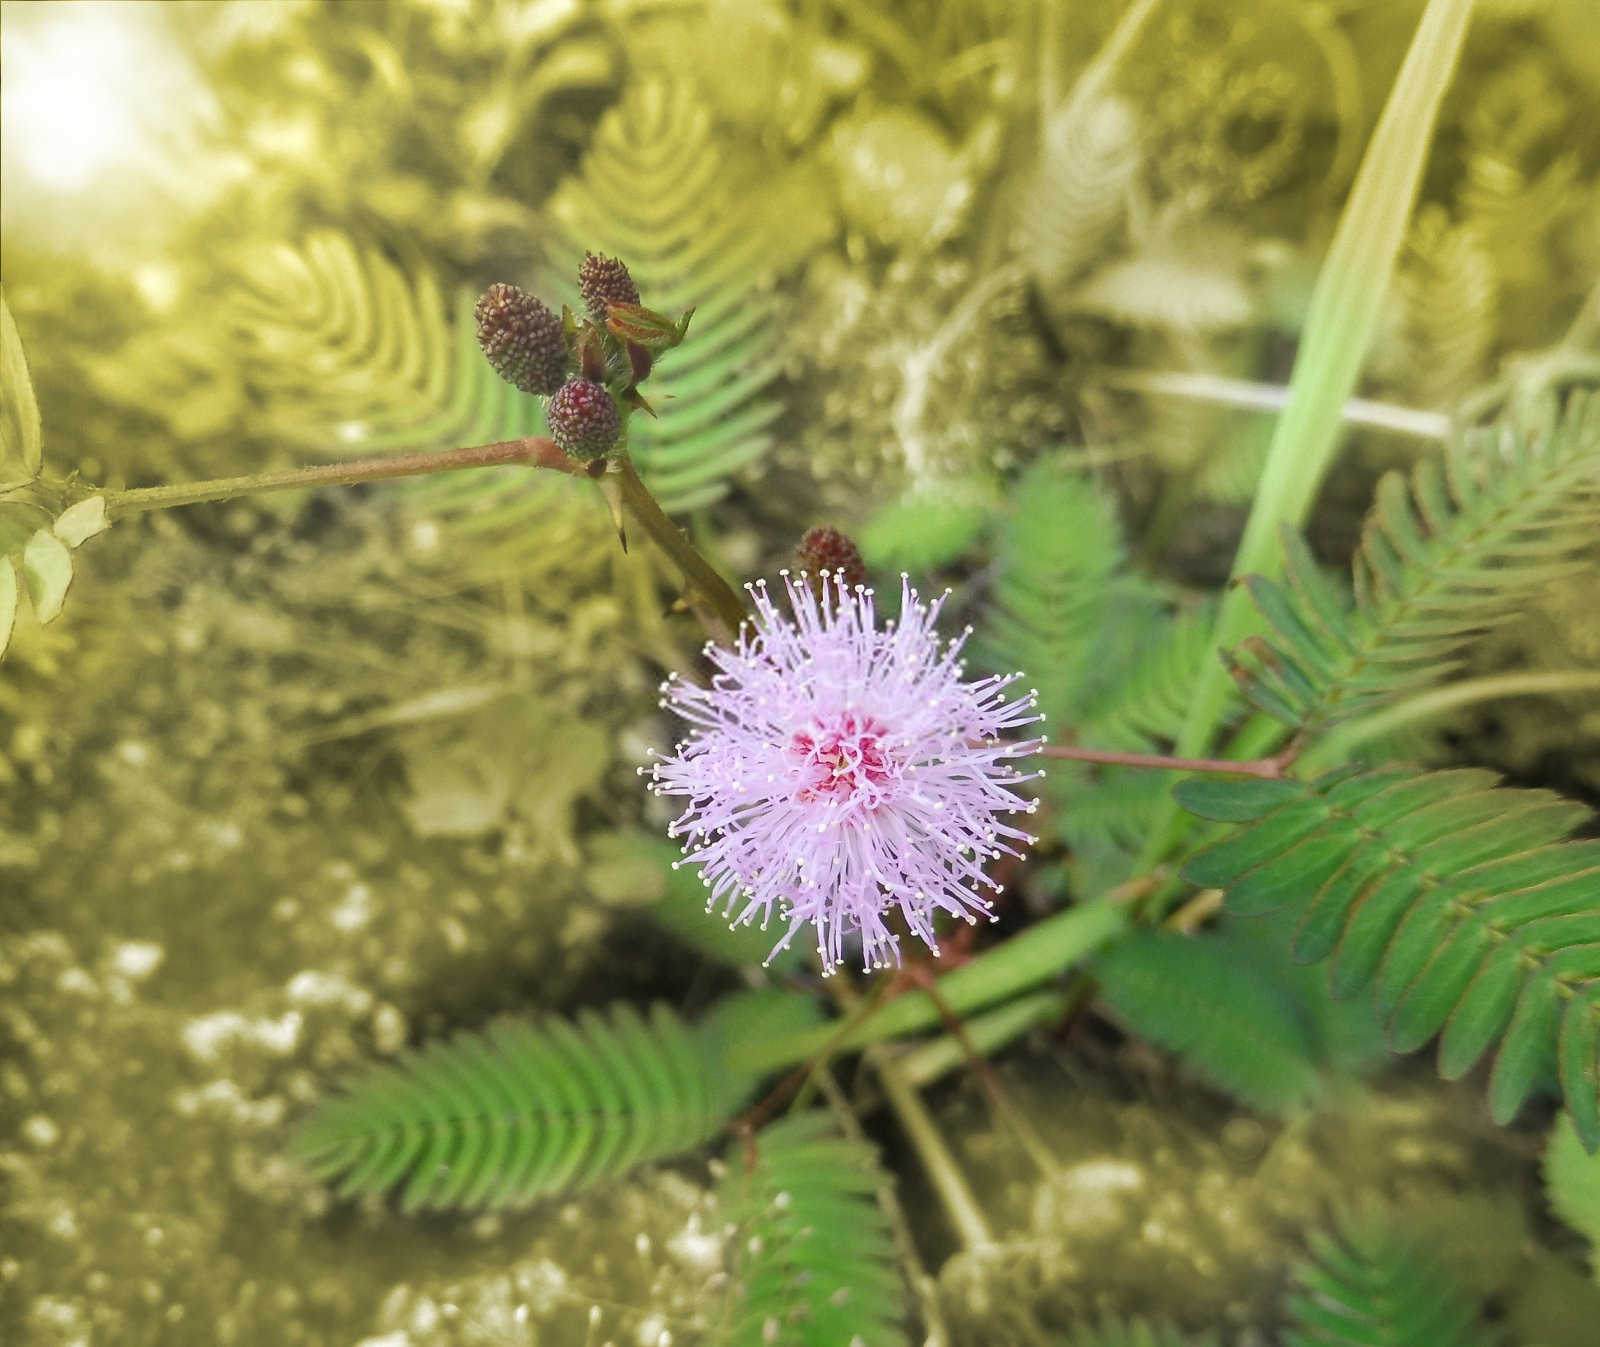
x=836 y=772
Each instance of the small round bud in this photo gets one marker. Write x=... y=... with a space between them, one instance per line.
x=522 y=339
x=829 y=550
x=583 y=419
x=602 y=280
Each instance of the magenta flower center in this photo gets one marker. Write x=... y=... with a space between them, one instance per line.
x=847 y=763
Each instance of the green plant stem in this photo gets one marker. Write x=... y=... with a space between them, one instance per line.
x=1333 y=748
x=926 y=1140
x=1341 y=323
x=533 y=450
x=985 y=1033
x=701 y=576
x=1270 y=769
x=1001 y=1104
x=536 y=451
x=1021 y=963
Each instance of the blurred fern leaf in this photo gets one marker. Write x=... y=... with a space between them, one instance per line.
x=520 y=1111
x=1456 y=899
x=1073 y=203
x=655 y=190
x=814 y=1258
x=1111 y=662
x=1460 y=549
x=1449 y=293
x=1368 y=1282
x=1196 y=998
x=930 y=526
x=1063 y=607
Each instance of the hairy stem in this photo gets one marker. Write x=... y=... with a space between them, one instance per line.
x=1270 y=769
x=1260 y=397
x=534 y=450
x=702 y=577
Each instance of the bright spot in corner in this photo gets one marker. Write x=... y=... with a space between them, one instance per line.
x=88 y=88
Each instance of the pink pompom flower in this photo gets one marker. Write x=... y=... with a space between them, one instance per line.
x=835 y=771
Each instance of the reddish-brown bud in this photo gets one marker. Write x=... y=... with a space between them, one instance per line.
x=583 y=419
x=602 y=281
x=825 y=549
x=522 y=339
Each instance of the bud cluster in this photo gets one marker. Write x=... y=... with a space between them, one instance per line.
x=589 y=368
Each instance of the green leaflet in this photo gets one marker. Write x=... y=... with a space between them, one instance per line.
x=1572 y=1185
x=1368 y=1282
x=1236 y=1010
x=814 y=1260
x=930 y=526
x=1457 y=550
x=38 y=526
x=1198 y=999
x=522 y=1110
x=1456 y=899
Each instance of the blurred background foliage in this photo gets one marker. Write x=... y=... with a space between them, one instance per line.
x=296 y=780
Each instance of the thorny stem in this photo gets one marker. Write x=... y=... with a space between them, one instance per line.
x=534 y=450
x=702 y=577
x=1270 y=769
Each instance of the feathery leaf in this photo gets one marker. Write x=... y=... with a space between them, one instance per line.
x=814 y=1259
x=518 y=1111
x=1456 y=899
x=1368 y=1283
x=1463 y=548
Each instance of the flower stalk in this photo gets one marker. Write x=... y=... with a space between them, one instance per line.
x=1268 y=769
x=534 y=450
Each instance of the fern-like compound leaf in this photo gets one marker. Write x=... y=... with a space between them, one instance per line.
x=522 y=1110
x=1459 y=549
x=1193 y=997
x=1457 y=900
x=1368 y=1282
x=813 y=1257
x=1064 y=609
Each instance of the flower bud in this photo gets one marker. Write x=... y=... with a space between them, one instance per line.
x=825 y=551
x=583 y=419
x=522 y=339
x=602 y=281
